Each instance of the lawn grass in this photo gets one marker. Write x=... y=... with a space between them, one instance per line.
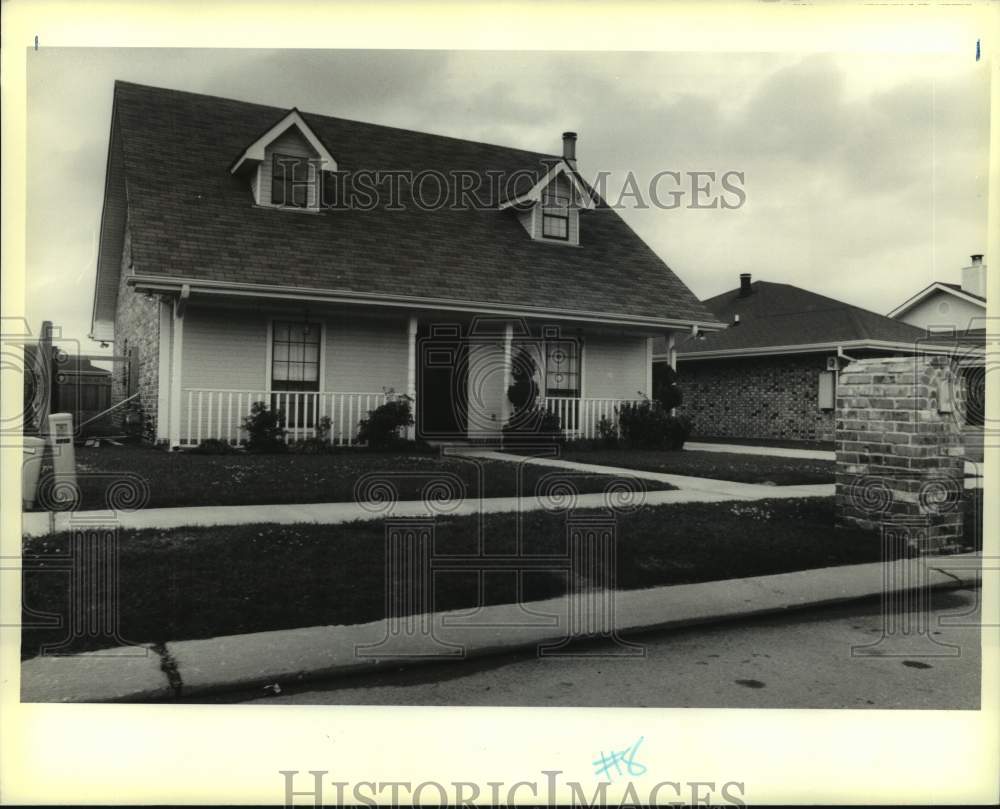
x=187 y=479
x=718 y=465
x=202 y=582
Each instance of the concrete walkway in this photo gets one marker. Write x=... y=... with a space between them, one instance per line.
x=191 y=667
x=42 y=523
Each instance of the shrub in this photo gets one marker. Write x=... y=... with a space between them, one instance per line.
x=381 y=430
x=132 y=419
x=607 y=432
x=533 y=426
x=213 y=446
x=666 y=391
x=309 y=446
x=265 y=428
x=648 y=425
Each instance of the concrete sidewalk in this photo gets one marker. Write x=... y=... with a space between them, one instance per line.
x=776 y=452
x=186 y=668
x=971 y=467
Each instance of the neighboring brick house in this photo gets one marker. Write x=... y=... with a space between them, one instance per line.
x=772 y=373
x=231 y=270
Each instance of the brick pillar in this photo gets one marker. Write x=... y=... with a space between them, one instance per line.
x=900 y=457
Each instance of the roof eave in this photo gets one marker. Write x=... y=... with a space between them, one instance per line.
x=926 y=292
x=813 y=348
x=255 y=151
x=104 y=206
x=166 y=284
x=535 y=194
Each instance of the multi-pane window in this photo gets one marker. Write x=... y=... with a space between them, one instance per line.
x=295 y=356
x=562 y=368
x=555 y=215
x=290 y=181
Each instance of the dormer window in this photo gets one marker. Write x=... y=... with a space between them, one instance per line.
x=555 y=215
x=283 y=166
x=550 y=210
x=290 y=181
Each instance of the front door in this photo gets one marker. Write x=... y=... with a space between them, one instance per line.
x=442 y=382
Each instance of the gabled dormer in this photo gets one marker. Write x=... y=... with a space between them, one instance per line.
x=284 y=166
x=550 y=211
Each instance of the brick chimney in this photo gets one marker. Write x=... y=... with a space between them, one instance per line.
x=974 y=277
x=569 y=148
x=745 y=289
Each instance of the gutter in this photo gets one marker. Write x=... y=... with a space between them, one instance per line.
x=813 y=348
x=152 y=283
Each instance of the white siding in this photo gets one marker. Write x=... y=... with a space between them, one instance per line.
x=614 y=367
x=366 y=355
x=223 y=350
x=942 y=310
x=227 y=350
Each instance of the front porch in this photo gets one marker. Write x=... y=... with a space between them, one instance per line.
x=219 y=414
x=340 y=364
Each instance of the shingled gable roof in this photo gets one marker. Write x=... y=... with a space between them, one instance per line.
x=192 y=221
x=938 y=286
x=781 y=318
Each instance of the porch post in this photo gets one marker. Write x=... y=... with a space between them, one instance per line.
x=176 y=356
x=672 y=359
x=649 y=367
x=508 y=339
x=411 y=374
x=163 y=374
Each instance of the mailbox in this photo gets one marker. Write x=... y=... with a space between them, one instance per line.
x=61 y=441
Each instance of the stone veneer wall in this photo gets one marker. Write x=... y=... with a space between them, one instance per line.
x=137 y=334
x=900 y=456
x=756 y=397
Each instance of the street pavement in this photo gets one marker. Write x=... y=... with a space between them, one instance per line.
x=797 y=660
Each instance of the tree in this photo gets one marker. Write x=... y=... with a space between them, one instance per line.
x=523 y=390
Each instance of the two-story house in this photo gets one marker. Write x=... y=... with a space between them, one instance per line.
x=250 y=253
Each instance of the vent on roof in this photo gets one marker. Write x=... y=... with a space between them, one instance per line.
x=736 y=319
x=745 y=288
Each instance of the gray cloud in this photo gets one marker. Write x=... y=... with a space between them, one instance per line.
x=864 y=180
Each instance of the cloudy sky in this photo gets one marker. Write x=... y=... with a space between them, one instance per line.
x=865 y=176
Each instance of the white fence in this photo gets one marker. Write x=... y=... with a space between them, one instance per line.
x=220 y=413
x=579 y=417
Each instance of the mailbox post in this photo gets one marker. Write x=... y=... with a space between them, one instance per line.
x=34 y=451
x=63 y=454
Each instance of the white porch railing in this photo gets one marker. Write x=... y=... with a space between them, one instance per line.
x=208 y=413
x=579 y=417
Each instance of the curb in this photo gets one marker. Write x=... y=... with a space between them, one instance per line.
x=187 y=668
